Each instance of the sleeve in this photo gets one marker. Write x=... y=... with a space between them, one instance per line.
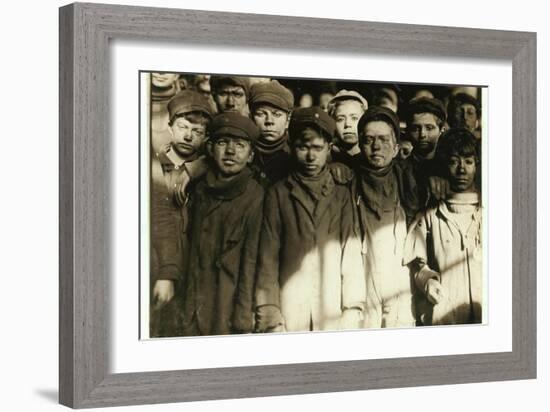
x=416 y=251
x=243 y=312
x=267 y=280
x=353 y=272
x=164 y=241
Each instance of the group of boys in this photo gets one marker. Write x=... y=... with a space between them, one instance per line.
x=271 y=218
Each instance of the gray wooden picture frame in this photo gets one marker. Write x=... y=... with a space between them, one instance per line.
x=85 y=32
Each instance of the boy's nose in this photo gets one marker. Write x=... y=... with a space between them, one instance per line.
x=230 y=148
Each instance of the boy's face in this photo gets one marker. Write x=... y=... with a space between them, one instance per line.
x=462 y=172
x=311 y=151
x=378 y=144
x=231 y=98
x=230 y=154
x=187 y=137
x=424 y=132
x=271 y=121
x=347 y=115
x=465 y=115
x=163 y=79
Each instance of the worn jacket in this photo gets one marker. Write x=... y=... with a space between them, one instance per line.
x=223 y=246
x=310 y=264
x=444 y=252
x=389 y=301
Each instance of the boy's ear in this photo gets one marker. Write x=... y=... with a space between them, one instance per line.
x=396 y=150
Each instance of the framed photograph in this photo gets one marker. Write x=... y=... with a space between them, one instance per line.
x=180 y=276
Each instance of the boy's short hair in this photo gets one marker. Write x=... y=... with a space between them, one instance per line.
x=193 y=117
x=457 y=142
x=426 y=105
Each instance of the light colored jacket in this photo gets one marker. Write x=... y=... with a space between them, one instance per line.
x=437 y=241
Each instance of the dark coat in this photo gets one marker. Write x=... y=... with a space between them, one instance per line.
x=310 y=264
x=223 y=245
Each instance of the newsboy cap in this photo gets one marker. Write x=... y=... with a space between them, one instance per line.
x=217 y=82
x=346 y=95
x=188 y=101
x=311 y=116
x=235 y=125
x=273 y=93
x=379 y=113
x=426 y=105
x=463 y=98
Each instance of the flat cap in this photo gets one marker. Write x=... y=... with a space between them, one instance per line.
x=426 y=105
x=379 y=113
x=188 y=101
x=311 y=116
x=273 y=93
x=235 y=125
x=346 y=95
x=218 y=81
x=464 y=98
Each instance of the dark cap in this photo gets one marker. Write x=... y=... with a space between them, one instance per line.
x=463 y=98
x=311 y=116
x=273 y=93
x=218 y=81
x=235 y=125
x=188 y=101
x=379 y=113
x=426 y=105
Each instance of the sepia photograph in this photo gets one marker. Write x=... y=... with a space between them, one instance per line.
x=279 y=205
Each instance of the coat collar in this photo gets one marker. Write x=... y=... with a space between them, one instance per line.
x=298 y=193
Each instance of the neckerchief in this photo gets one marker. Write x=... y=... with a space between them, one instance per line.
x=266 y=148
x=227 y=189
x=315 y=186
x=379 y=189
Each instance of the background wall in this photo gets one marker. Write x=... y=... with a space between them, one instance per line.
x=29 y=214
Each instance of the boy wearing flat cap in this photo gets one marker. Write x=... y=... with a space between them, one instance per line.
x=465 y=111
x=310 y=272
x=385 y=195
x=425 y=122
x=346 y=108
x=189 y=116
x=225 y=219
x=271 y=105
x=231 y=93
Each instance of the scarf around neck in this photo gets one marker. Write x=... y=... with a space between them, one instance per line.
x=315 y=186
x=227 y=189
x=267 y=148
x=379 y=189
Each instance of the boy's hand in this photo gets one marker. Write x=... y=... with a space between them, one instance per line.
x=439 y=187
x=269 y=319
x=180 y=194
x=434 y=291
x=163 y=292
